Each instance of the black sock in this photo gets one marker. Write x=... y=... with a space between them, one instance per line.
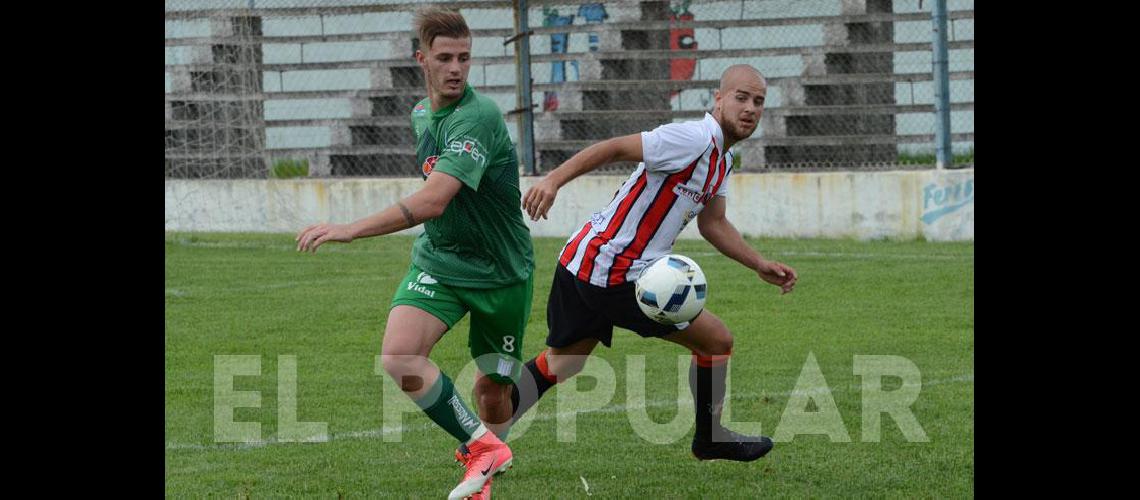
x=707 y=385
x=533 y=387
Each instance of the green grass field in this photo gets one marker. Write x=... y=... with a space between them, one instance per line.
x=254 y=295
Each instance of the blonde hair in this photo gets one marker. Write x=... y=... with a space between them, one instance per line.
x=433 y=21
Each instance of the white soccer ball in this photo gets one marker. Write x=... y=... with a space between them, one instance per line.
x=671 y=290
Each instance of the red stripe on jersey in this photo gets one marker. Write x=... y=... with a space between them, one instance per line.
x=712 y=167
x=649 y=224
x=614 y=226
x=719 y=179
x=572 y=247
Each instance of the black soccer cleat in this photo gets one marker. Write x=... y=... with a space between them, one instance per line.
x=731 y=446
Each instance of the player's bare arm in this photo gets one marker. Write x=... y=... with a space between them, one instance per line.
x=423 y=205
x=716 y=229
x=540 y=197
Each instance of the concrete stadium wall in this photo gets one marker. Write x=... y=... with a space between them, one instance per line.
x=938 y=206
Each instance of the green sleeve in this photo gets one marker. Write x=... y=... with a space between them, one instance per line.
x=465 y=152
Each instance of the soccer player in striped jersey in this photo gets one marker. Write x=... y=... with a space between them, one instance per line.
x=682 y=175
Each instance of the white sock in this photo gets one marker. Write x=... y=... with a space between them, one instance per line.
x=477 y=434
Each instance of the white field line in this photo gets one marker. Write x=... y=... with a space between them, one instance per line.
x=339 y=248
x=332 y=247
x=848 y=255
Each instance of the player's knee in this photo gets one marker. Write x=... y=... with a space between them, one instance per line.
x=492 y=392
x=720 y=343
x=399 y=366
x=492 y=399
x=402 y=370
x=565 y=366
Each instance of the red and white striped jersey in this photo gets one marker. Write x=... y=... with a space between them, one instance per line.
x=684 y=166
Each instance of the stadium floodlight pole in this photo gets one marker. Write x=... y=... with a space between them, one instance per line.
x=941 y=88
x=522 y=84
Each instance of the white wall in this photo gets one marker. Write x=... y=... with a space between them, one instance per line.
x=865 y=205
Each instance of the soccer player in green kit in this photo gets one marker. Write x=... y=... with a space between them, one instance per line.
x=474 y=256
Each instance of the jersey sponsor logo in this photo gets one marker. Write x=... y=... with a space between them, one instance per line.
x=429 y=165
x=467 y=146
x=465 y=419
x=418 y=286
x=689 y=216
x=683 y=190
x=597 y=219
x=505 y=367
x=421 y=289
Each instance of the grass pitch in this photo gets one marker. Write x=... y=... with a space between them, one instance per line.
x=254 y=295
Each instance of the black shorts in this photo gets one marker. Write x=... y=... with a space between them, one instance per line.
x=578 y=310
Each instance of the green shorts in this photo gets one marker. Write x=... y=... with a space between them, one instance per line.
x=498 y=318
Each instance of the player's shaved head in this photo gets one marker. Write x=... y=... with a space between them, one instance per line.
x=740 y=101
x=740 y=73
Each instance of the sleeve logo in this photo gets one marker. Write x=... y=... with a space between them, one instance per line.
x=429 y=165
x=467 y=147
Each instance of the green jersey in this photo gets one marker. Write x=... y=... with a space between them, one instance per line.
x=480 y=241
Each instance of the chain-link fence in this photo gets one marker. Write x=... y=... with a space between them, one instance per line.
x=260 y=88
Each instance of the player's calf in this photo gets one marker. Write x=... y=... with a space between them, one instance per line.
x=493 y=400
x=545 y=371
x=712 y=441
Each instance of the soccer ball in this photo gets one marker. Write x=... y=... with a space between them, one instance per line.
x=671 y=290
